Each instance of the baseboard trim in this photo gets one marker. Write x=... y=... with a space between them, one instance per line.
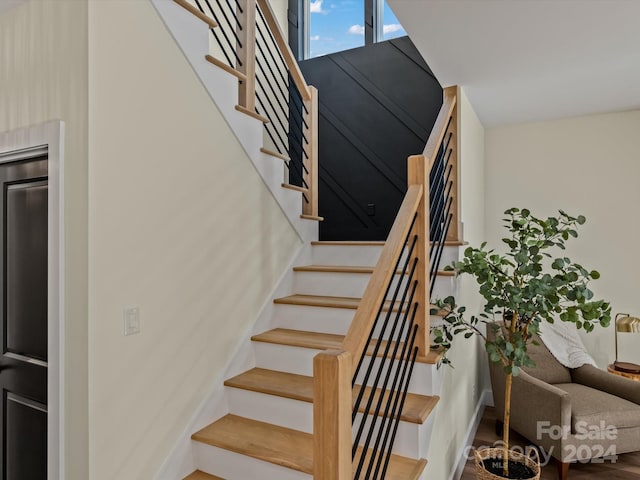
x=486 y=399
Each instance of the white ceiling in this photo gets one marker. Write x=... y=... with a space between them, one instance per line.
x=528 y=60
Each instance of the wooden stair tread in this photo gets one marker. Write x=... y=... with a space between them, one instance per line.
x=300 y=338
x=275 y=154
x=252 y=114
x=295 y=188
x=355 y=243
x=284 y=446
x=319 y=301
x=194 y=11
x=264 y=441
x=220 y=64
x=312 y=217
x=329 y=302
x=324 y=341
x=400 y=468
x=434 y=355
x=348 y=269
x=199 y=475
x=300 y=387
x=360 y=243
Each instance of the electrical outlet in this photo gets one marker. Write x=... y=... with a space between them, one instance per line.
x=131 y=321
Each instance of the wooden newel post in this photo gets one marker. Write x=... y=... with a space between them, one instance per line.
x=311 y=173
x=332 y=404
x=418 y=174
x=246 y=49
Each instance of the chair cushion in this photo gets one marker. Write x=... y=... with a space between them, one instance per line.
x=591 y=407
x=547 y=368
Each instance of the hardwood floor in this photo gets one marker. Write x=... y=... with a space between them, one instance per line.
x=627 y=466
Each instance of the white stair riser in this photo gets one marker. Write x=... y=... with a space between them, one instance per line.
x=425 y=379
x=445 y=286
x=285 y=412
x=321 y=319
x=284 y=358
x=313 y=319
x=234 y=466
x=365 y=256
x=407 y=438
x=450 y=254
x=335 y=284
x=298 y=415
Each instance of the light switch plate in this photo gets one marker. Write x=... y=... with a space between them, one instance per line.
x=131 y=320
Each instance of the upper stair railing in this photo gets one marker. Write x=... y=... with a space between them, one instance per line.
x=444 y=206
x=359 y=391
x=248 y=43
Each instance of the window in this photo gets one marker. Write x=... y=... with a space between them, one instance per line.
x=391 y=27
x=329 y=26
x=334 y=25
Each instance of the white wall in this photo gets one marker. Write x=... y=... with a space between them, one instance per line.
x=181 y=225
x=43 y=76
x=463 y=385
x=585 y=165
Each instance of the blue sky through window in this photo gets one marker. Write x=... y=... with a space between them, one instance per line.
x=391 y=27
x=338 y=25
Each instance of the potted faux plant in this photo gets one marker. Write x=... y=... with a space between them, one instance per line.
x=521 y=288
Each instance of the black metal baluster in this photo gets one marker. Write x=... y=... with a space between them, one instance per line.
x=406 y=263
x=385 y=417
x=367 y=411
x=404 y=390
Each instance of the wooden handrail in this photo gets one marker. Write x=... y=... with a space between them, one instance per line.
x=440 y=126
x=418 y=174
x=357 y=337
x=283 y=46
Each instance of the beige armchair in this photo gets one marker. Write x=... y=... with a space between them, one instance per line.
x=573 y=415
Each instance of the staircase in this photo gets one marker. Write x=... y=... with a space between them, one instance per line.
x=268 y=430
x=302 y=407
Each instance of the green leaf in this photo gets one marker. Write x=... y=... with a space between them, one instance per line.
x=594 y=274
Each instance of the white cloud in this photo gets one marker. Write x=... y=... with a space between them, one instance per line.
x=315 y=6
x=394 y=27
x=356 y=29
x=314 y=38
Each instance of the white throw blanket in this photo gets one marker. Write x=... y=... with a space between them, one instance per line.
x=563 y=341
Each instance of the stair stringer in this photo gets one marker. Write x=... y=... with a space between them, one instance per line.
x=192 y=37
x=181 y=461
